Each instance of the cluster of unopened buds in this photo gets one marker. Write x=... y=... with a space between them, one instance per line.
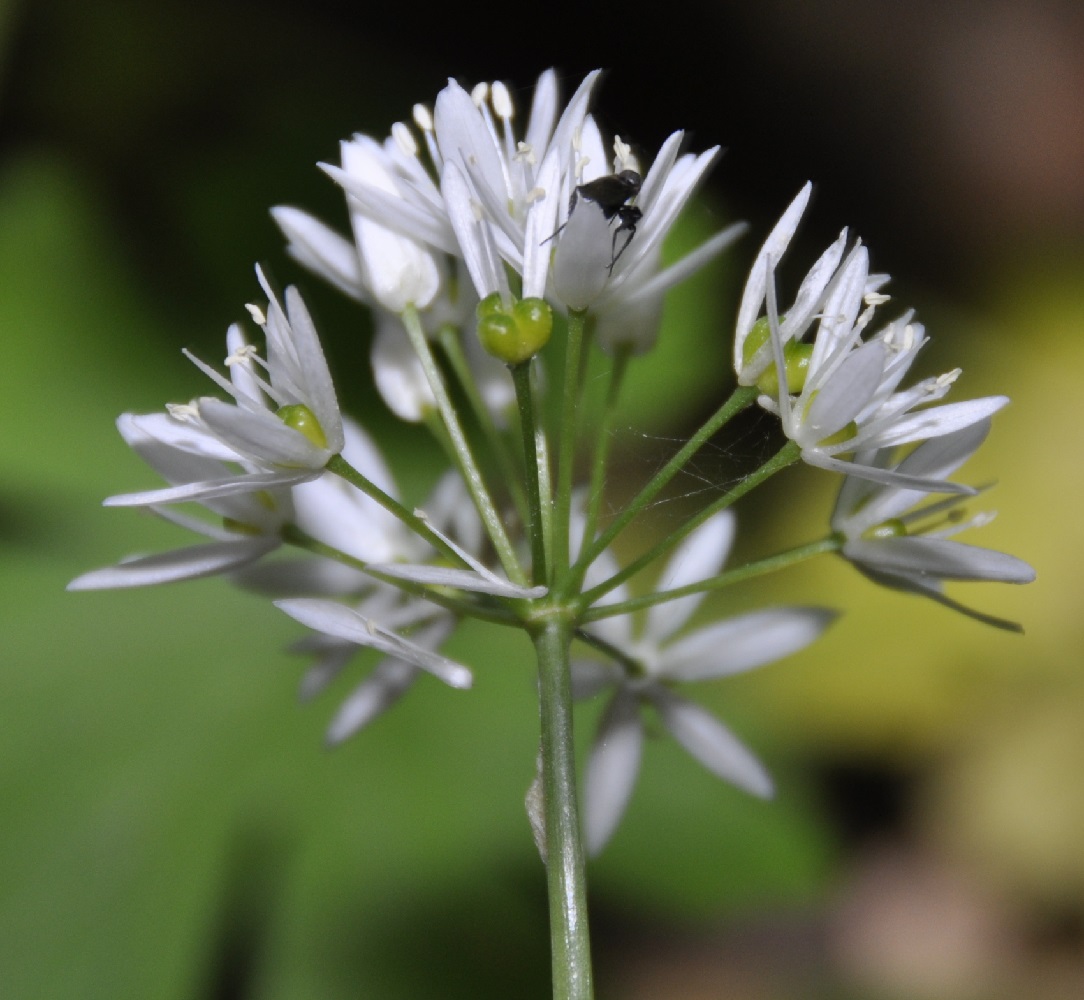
x=484 y=250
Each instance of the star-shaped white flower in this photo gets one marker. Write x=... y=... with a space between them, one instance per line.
x=285 y=415
x=839 y=394
x=617 y=275
x=656 y=658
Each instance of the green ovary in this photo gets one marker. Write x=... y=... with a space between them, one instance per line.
x=515 y=335
x=302 y=419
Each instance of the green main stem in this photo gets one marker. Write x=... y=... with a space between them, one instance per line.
x=570 y=943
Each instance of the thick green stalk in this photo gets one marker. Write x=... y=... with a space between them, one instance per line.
x=565 y=875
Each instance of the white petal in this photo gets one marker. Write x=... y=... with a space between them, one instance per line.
x=313 y=375
x=611 y=769
x=700 y=556
x=581 y=262
x=397 y=372
x=540 y=225
x=320 y=249
x=398 y=214
x=835 y=402
x=261 y=435
x=811 y=292
x=753 y=297
x=574 y=116
x=180 y=564
x=465 y=139
x=543 y=112
x=711 y=743
x=861 y=505
x=473 y=233
x=461 y=579
x=388 y=682
x=890 y=477
x=157 y=437
x=345 y=623
x=212 y=488
x=939 y=420
x=744 y=643
x=398 y=270
x=939 y=558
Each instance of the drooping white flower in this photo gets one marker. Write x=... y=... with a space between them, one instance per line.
x=247 y=526
x=909 y=547
x=655 y=658
x=839 y=394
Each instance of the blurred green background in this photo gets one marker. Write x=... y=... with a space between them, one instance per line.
x=169 y=825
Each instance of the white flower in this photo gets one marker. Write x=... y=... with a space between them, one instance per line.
x=617 y=274
x=911 y=549
x=839 y=394
x=285 y=414
x=385 y=267
x=655 y=659
x=248 y=524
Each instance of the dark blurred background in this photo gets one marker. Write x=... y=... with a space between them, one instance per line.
x=168 y=824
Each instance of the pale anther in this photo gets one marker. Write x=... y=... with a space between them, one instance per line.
x=535 y=194
x=242 y=356
x=423 y=118
x=259 y=317
x=185 y=412
x=502 y=100
x=479 y=93
x=949 y=377
x=525 y=152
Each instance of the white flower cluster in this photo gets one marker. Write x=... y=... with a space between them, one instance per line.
x=467 y=228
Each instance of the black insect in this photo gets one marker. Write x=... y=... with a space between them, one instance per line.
x=611 y=194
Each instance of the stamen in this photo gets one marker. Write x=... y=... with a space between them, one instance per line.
x=423 y=118
x=259 y=317
x=876 y=298
x=502 y=101
x=535 y=194
x=244 y=355
x=525 y=153
x=945 y=380
x=185 y=412
x=479 y=93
